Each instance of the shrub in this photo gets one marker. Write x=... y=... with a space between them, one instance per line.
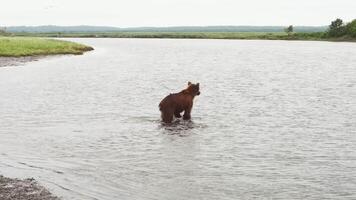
x=289 y=30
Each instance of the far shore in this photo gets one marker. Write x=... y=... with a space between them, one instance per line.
x=313 y=36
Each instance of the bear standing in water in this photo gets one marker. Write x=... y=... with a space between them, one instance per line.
x=176 y=103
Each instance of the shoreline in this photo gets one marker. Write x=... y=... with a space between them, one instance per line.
x=16 y=61
x=26 y=189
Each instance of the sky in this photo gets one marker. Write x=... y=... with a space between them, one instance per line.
x=161 y=13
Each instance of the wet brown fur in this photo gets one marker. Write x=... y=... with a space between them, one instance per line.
x=174 y=104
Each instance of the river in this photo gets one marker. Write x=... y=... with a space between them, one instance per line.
x=275 y=120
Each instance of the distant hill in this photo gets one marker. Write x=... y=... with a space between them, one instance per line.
x=51 y=29
x=91 y=29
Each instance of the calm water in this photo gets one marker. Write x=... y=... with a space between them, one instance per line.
x=275 y=120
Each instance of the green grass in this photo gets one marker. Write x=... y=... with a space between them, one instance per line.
x=28 y=46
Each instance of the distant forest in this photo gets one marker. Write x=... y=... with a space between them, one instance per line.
x=88 y=29
x=338 y=30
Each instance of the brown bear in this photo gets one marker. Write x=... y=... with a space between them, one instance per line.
x=174 y=104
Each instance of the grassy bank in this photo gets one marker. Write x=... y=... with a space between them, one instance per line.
x=29 y=46
x=317 y=36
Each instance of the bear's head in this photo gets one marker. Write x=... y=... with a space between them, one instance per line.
x=192 y=89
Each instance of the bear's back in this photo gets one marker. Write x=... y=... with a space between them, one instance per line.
x=174 y=100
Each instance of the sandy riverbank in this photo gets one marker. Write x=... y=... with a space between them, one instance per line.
x=27 y=189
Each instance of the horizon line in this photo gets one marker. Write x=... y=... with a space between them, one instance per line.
x=170 y=26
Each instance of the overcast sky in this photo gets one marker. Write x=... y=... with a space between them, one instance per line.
x=133 y=13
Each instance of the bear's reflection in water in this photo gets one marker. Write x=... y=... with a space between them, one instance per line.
x=182 y=128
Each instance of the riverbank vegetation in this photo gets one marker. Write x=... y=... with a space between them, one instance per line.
x=319 y=36
x=28 y=46
x=337 y=31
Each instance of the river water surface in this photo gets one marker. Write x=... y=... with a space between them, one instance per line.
x=275 y=120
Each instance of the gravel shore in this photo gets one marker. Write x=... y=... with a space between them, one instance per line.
x=28 y=189
x=14 y=61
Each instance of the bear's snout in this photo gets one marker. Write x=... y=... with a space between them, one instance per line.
x=198 y=93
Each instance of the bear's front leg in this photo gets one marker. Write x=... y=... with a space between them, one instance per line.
x=186 y=115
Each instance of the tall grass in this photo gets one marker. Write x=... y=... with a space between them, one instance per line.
x=27 y=46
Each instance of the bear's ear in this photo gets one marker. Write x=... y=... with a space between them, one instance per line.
x=189 y=83
x=197 y=84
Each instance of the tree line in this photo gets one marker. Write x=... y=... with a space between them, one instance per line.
x=338 y=28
